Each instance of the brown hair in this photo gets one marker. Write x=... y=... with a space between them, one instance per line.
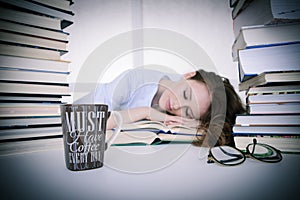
x=216 y=124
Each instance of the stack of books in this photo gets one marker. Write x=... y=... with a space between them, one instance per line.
x=33 y=76
x=267 y=49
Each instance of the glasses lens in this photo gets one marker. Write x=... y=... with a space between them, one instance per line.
x=264 y=152
x=226 y=155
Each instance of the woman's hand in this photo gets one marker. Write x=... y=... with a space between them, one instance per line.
x=136 y=114
x=170 y=119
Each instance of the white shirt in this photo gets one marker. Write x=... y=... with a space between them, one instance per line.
x=133 y=88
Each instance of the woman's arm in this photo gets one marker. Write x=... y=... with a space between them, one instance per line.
x=136 y=114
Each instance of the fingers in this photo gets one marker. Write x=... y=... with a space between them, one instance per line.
x=175 y=120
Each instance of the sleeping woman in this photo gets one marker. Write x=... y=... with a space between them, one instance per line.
x=197 y=98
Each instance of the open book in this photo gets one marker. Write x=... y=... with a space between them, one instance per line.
x=153 y=132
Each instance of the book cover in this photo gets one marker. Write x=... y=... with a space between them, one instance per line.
x=34 y=89
x=17 y=62
x=264 y=120
x=260 y=12
x=274 y=58
x=32 y=76
x=30 y=133
x=291 y=77
x=273 y=98
x=267 y=130
x=274 y=89
x=265 y=35
x=29 y=109
x=16 y=38
x=270 y=108
x=284 y=144
x=33 y=31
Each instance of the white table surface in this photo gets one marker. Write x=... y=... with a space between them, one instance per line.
x=43 y=175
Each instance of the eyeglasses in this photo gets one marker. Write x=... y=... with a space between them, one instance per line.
x=230 y=156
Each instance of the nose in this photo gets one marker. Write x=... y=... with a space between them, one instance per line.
x=179 y=105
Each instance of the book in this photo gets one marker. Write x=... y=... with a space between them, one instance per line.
x=30 y=19
x=29 y=109
x=34 y=89
x=32 y=76
x=273 y=98
x=159 y=127
x=16 y=62
x=266 y=130
x=14 y=38
x=238 y=7
x=265 y=35
x=260 y=12
x=19 y=122
x=25 y=133
x=63 y=6
x=23 y=98
x=270 y=77
x=140 y=137
x=274 y=58
x=284 y=144
x=279 y=89
x=270 y=108
x=65 y=18
x=30 y=52
x=264 y=120
x=33 y=31
x=232 y=3
x=147 y=132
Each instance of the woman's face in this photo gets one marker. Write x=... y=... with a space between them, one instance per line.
x=186 y=98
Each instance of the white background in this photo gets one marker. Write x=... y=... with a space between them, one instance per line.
x=206 y=22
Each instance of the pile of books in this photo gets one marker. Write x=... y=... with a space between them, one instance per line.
x=33 y=76
x=267 y=49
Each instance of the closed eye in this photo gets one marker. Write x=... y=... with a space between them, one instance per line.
x=185 y=94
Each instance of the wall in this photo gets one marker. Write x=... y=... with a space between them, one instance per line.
x=97 y=23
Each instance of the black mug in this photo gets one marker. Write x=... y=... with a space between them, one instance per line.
x=84 y=132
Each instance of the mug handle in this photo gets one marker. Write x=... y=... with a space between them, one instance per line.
x=117 y=130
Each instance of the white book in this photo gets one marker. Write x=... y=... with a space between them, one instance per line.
x=261 y=12
x=291 y=77
x=37 y=89
x=275 y=58
x=29 y=52
x=287 y=108
x=274 y=89
x=28 y=109
x=30 y=98
x=273 y=98
x=263 y=120
x=30 y=30
x=283 y=144
x=30 y=132
x=65 y=18
x=59 y=4
x=16 y=62
x=29 y=121
x=32 y=41
x=30 y=19
x=266 y=130
x=265 y=35
x=33 y=76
